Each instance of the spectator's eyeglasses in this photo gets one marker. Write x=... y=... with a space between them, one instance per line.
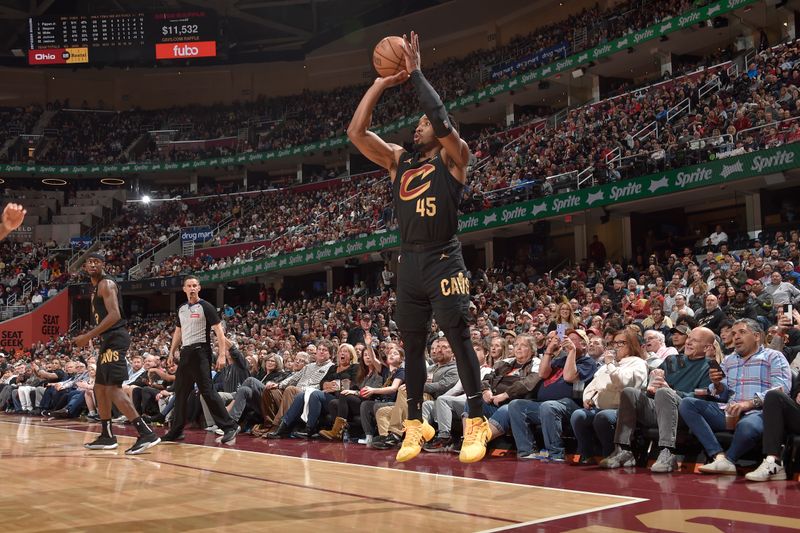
x=619 y=344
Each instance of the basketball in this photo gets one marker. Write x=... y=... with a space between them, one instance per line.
x=387 y=57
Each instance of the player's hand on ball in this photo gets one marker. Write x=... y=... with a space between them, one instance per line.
x=411 y=52
x=392 y=81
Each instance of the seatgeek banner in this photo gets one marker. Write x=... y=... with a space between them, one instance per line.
x=572 y=62
x=51 y=319
x=687 y=178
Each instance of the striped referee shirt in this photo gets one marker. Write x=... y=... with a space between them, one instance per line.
x=754 y=376
x=196 y=321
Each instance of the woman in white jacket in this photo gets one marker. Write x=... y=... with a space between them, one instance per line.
x=625 y=366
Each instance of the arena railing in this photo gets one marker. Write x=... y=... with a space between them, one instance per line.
x=741 y=134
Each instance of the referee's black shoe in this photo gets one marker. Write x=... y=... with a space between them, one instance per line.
x=169 y=436
x=229 y=437
x=143 y=443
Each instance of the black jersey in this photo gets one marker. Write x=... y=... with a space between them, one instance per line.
x=99 y=311
x=426 y=198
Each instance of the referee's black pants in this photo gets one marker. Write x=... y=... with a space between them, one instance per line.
x=195 y=367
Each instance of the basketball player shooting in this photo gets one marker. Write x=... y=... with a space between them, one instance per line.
x=426 y=188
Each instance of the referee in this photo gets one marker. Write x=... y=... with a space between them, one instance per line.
x=197 y=318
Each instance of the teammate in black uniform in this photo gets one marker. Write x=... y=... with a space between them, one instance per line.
x=112 y=368
x=427 y=186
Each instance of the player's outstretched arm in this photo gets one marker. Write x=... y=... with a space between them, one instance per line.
x=456 y=150
x=373 y=147
x=13 y=215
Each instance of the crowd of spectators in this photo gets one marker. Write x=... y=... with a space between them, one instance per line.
x=35 y=263
x=632 y=135
x=512 y=163
x=15 y=121
x=657 y=310
x=144 y=226
x=276 y=123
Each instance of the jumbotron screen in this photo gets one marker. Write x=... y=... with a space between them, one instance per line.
x=121 y=38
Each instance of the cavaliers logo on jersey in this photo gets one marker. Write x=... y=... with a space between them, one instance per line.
x=415 y=181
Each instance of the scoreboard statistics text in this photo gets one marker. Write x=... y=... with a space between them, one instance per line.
x=121 y=38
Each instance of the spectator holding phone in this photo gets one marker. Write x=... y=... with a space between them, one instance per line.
x=738 y=389
x=564 y=370
x=787 y=337
x=679 y=376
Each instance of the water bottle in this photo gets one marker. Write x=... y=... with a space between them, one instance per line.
x=346 y=436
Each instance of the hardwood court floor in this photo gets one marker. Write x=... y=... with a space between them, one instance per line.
x=51 y=483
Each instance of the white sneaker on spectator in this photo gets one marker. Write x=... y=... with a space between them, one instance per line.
x=666 y=462
x=120 y=419
x=215 y=429
x=721 y=465
x=621 y=458
x=767 y=471
x=366 y=440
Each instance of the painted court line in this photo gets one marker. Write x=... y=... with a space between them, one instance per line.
x=513 y=524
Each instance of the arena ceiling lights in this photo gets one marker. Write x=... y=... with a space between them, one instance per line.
x=54 y=181
x=112 y=181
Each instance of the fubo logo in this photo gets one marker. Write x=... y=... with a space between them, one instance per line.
x=186 y=50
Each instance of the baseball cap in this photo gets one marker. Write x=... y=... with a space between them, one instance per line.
x=750 y=282
x=581 y=333
x=683 y=329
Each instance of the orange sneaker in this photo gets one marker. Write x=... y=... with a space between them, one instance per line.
x=476 y=436
x=417 y=434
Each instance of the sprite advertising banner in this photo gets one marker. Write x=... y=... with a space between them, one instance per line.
x=711 y=173
x=655 y=31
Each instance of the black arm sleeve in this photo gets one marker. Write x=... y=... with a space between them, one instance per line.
x=432 y=105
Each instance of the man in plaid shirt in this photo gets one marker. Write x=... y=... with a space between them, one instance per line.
x=738 y=390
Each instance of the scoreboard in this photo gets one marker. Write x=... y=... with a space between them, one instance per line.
x=121 y=37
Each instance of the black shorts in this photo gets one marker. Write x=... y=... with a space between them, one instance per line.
x=432 y=282
x=112 y=368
